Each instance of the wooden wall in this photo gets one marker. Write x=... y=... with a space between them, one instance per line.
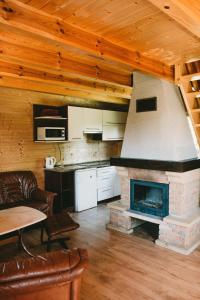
x=17 y=149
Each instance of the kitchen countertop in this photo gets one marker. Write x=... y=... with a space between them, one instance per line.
x=85 y=165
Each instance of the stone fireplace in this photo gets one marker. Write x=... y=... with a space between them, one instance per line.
x=158 y=167
x=179 y=230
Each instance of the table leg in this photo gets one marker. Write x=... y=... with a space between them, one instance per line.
x=23 y=246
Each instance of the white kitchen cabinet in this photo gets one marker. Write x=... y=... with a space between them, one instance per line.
x=92 y=120
x=108 y=183
x=113 y=132
x=85 y=189
x=113 y=125
x=114 y=117
x=75 y=123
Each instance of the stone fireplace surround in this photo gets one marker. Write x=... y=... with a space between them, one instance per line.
x=180 y=230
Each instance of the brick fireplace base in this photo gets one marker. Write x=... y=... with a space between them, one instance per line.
x=119 y=220
x=180 y=230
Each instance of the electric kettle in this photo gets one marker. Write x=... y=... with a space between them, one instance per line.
x=50 y=162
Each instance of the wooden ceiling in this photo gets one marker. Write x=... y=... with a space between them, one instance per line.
x=133 y=24
x=89 y=48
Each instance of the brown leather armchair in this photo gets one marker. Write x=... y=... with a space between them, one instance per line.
x=20 y=188
x=59 y=277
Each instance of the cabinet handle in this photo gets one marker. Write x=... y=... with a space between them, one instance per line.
x=114 y=123
x=76 y=138
x=93 y=128
x=115 y=139
x=106 y=190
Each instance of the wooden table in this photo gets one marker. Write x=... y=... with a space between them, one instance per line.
x=17 y=218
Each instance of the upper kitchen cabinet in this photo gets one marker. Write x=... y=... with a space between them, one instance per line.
x=113 y=132
x=92 y=120
x=114 y=117
x=114 y=123
x=75 y=123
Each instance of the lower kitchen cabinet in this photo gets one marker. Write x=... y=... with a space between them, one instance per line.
x=81 y=189
x=61 y=183
x=108 y=183
x=85 y=189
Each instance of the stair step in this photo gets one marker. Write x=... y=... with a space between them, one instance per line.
x=194 y=94
x=195 y=110
x=191 y=77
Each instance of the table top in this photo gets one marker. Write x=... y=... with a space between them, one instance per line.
x=16 y=218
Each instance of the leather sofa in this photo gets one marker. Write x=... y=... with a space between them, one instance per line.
x=19 y=188
x=58 y=277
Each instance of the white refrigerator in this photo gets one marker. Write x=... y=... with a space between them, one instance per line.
x=85 y=189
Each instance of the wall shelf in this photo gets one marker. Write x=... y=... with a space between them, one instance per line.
x=50 y=117
x=48 y=142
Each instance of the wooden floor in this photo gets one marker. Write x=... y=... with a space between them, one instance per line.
x=126 y=267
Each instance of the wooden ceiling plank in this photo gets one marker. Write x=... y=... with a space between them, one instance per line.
x=35 y=3
x=184 y=12
x=26 y=18
x=134 y=25
x=95 y=87
x=70 y=9
x=34 y=85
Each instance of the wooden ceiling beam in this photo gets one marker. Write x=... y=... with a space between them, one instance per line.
x=26 y=83
x=22 y=38
x=45 y=26
x=79 y=84
x=184 y=12
x=56 y=63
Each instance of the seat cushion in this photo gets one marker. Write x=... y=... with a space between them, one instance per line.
x=60 y=223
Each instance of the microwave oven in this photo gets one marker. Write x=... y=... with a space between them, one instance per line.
x=51 y=133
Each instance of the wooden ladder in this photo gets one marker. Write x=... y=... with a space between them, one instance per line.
x=187 y=76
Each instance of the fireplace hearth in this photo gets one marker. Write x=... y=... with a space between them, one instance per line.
x=149 y=197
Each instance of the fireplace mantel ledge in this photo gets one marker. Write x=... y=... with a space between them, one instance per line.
x=159 y=165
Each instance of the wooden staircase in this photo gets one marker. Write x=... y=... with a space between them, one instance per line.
x=187 y=77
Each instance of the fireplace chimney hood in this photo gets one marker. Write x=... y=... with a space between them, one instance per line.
x=157 y=125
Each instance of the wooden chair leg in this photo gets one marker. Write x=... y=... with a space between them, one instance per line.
x=63 y=243
x=42 y=234
x=49 y=244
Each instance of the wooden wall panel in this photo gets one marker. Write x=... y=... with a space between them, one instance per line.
x=17 y=149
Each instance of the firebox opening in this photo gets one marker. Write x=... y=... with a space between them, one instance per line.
x=149 y=197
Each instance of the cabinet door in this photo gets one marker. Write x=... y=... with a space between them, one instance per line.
x=92 y=120
x=105 y=193
x=75 y=123
x=85 y=189
x=114 y=117
x=113 y=132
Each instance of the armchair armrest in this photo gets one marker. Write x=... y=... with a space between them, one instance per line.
x=21 y=276
x=44 y=196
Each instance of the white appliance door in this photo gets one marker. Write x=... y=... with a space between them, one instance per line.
x=85 y=189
